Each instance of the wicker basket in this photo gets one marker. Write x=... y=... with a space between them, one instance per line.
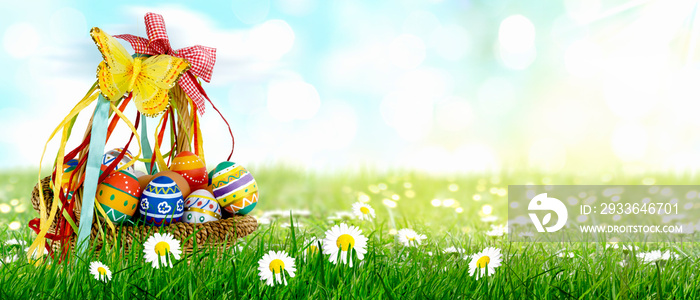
x=219 y=233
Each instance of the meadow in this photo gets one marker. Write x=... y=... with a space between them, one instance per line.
x=454 y=212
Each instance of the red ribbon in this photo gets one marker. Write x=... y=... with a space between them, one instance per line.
x=201 y=58
x=201 y=90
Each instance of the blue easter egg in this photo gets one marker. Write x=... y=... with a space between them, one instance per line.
x=161 y=202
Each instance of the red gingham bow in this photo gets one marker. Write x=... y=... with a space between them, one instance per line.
x=201 y=58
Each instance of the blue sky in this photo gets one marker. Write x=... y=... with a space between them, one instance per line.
x=436 y=85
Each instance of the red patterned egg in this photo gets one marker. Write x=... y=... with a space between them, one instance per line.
x=200 y=207
x=119 y=195
x=192 y=168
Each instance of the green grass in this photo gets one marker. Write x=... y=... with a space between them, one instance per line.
x=389 y=270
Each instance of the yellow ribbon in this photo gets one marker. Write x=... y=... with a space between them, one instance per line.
x=47 y=220
x=195 y=119
x=130 y=163
x=162 y=166
x=133 y=130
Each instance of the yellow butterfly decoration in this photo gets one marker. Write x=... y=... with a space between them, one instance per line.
x=149 y=79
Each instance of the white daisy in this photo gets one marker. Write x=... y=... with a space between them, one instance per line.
x=341 y=239
x=342 y=216
x=274 y=214
x=15 y=242
x=489 y=219
x=302 y=213
x=288 y=225
x=262 y=220
x=100 y=271
x=497 y=231
x=656 y=255
x=625 y=248
x=565 y=254
x=272 y=266
x=10 y=259
x=528 y=234
x=453 y=249
x=485 y=262
x=363 y=211
x=157 y=248
x=312 y=248
x=409 y=238
x=34 y=255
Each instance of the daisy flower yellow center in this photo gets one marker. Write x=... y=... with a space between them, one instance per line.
x=483 y=261
x=345 y=242
x=411 y=238
x=276 y=266
x=364 y=210
x=313 y=249
x=102 y=271
x=162 y=248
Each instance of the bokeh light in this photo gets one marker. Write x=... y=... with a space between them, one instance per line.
x=292 y=100
x=516 y=34
x=629 y=141
x=406 y=51
x=14 y=225
x=516 y=37
x=251 y=11
x=20 y=40
x=583 y=59
x=68 y=26
x=271 y=40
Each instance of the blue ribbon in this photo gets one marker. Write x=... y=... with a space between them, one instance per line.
x=146 y=146
x=98 y=138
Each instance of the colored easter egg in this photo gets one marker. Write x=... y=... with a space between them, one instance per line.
x=192 y=168
x=234 y=188
x=144 y=180
x=161 y=202
x=118 y=195
x=179 y=180
x=211 y=174
x=244 y=205
x=200 y=207
x=111 y=155
x=69 y=168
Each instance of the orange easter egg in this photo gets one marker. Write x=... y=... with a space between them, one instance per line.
x=192 y=168
x=118 y=195
x=179 y=180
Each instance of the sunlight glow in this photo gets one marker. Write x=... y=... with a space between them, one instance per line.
x=406 y=51
x=629 y=141
x=292 y=100
x=20 y=40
